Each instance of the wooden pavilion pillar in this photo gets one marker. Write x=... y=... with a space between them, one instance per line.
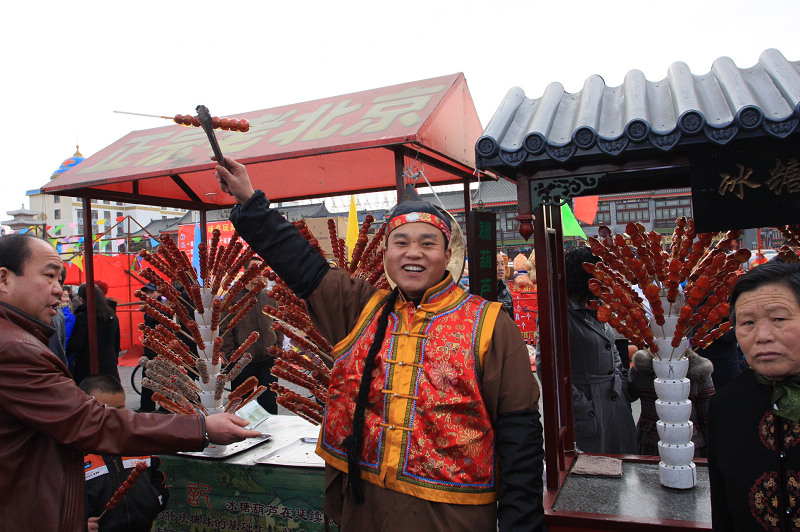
x=88 y=264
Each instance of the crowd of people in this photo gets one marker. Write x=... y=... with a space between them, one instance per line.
x=432 y=420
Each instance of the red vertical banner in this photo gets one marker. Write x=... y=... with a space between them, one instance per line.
x=526 y=308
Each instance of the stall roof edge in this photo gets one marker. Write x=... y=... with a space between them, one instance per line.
x=642 y=117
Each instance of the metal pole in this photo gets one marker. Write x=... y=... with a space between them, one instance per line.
x=88 y=264
x=399 y=168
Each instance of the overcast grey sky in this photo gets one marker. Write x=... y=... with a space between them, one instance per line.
x=68 y=65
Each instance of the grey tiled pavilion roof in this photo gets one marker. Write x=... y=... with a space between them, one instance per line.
x=726 y=103
x=491 y=193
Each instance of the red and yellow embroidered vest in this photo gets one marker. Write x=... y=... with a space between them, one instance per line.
x=427 y=431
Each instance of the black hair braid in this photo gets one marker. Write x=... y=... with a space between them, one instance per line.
x=352 y=443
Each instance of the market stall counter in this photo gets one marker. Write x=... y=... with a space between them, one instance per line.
x=632 y=501
x=275 y=485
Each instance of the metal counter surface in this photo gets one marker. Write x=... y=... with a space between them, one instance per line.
x=285 y=431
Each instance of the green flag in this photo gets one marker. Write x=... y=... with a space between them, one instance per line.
x=569 y=224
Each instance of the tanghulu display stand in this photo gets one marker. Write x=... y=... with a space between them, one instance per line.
x=731 y=135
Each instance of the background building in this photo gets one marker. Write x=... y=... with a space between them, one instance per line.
x=128 y=227
x=61 y=217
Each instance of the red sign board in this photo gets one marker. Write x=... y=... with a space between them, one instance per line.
x=186 y=235
x=526 y=308
x=320 y=148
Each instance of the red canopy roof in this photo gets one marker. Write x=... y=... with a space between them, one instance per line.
x=340 y=145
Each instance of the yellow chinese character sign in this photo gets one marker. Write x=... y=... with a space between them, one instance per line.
x=752 y=185
x=482 y=253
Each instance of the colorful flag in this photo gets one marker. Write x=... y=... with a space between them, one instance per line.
x=586 y=208
x=352 y=227
x=196 y=253
x=569 y=224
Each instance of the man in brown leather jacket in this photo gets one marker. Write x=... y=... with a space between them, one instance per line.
x=47 y=422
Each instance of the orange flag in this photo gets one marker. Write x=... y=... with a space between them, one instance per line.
x=585 y=208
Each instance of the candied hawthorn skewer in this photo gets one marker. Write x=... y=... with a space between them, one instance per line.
x=301 y=323
x=306 y=361
x=361 y=243
x=154 y=303
x=126 y=485
x=170 y=405
x=239 y=366
x=303 y=228
x=243 y=389
x=338 y=245
x=294 y=402
x=224 y=123
x=288 y=372
x=254 y=336
x=219 y=386
x=215 y=353
x=252 y=397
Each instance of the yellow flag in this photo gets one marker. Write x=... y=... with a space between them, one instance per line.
x=77 y=261
x=352 y=227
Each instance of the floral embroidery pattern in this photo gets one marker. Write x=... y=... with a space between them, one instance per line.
x=791 y=434
x=442 y=375
x=767 y=431
x=765 y=505
x=764 y=500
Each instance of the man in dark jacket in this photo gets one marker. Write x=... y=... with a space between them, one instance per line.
x=503 y=294
x=46 y=422
x=254 y=320
x=105 y=474
x=58 y=342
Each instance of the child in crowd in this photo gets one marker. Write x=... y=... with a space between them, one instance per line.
x=105 y=474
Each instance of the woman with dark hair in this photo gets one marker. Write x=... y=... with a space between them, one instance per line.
x=108 y=337
x=600 y=403
x=754 y=422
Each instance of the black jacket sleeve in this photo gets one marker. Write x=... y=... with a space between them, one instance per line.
x=520 y=451
x=280 y=244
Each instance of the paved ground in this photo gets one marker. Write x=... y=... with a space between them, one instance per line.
x=131 y=397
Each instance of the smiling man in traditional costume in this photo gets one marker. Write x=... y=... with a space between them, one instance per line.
x=431 y=421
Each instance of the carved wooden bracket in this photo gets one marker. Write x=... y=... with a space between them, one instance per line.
x=558 y=191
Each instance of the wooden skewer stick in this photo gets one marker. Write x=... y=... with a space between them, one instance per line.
x=142 y=114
